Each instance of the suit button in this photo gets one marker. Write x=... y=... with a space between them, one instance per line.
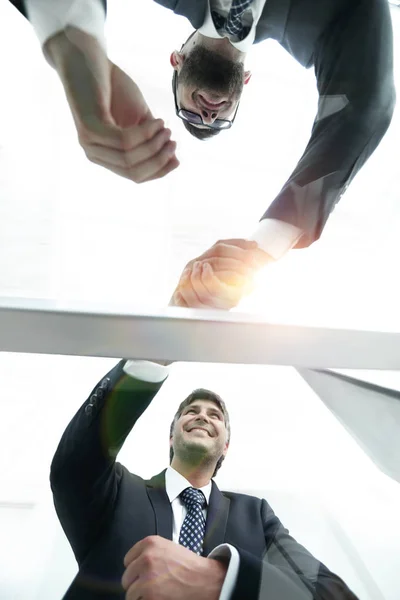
x=93 y=399
x=105 y=383
x=89 y=410
x=100 y=393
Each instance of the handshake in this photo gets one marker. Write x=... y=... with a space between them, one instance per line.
x=221 y=276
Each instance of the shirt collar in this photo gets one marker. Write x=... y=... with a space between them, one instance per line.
x=208 y=30
x=175 y=483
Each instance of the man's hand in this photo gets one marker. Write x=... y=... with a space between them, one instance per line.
x=221 y=276
x=115 y=126
x=159 y=569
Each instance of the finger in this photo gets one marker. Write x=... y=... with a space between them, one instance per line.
x=171 y=163
x=177 y=300
x=230 y=268
x=134 y=552
x=151 y=168
x=95 y=131
x=252 y=257
x=130 y=575
x=228 y=295
x=216 y=295
x=224 y=250
x=126 y=159
x=188 y=293
x=170 y=166
x=135 y=579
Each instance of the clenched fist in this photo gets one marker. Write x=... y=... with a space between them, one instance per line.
x=114 y=123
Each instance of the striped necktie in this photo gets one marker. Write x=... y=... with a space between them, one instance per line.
x=233 y=22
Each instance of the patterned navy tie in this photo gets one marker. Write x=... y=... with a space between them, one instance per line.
x=233 y=22
x=193 y=527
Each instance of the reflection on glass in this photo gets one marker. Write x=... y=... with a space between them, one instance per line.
x=74 y=231
x=286 y=454
x=311 y=452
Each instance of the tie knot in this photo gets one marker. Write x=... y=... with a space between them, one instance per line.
x=192 y=497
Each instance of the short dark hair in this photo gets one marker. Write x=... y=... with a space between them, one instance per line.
x=202 y=394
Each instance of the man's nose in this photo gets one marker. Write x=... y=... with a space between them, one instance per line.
x=209 y=116
x=203 y=417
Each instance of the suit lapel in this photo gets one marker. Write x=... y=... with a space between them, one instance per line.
x=161 y=505
x=217 y=518
x=217 y=513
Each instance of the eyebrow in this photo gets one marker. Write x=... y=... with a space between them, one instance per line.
x=211 y=409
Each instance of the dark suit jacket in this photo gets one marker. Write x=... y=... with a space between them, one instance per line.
x=349 y=44
x=104 y=509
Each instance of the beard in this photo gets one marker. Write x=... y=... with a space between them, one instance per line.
x=195 y=453
x=211 y=72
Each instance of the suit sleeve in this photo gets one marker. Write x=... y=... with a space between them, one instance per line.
x=287 y=569
x=49 y=17
x=354 y=70
x=21 y=5
x=84 y=476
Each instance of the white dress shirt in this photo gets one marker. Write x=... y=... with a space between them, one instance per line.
x=175 y=483
x=48 y=17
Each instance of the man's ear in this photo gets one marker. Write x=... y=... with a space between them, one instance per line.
x=246 y=77
x=225 y=449
x=176 y=59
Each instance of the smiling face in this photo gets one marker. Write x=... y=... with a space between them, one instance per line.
x=199 y=435
x=210 y=78
x=210 y=84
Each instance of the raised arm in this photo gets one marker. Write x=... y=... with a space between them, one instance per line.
x=354 y=70
x=84 y=476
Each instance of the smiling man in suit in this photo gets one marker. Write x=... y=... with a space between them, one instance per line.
x=179 y=535
x=347 y=42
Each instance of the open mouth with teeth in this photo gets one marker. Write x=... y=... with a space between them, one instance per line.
x=199 y=429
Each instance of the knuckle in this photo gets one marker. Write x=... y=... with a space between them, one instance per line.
x=150 y=130
x=125 y=140
x=147 y=559
x=156 y=143
x=149 y=540
x=163 y=158
x=136 y=176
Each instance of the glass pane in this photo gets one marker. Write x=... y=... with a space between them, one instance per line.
x=286 y=447
x=75 y=235
x=73 y=231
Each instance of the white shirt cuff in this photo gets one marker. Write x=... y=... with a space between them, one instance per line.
x=146 y=370
x=276 y=237
x=48 y=17
x=229 y=552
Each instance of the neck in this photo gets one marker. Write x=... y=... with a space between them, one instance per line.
x=198 y=476
x=220 y=45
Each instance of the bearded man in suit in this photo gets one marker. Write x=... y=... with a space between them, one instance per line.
x=177 y=534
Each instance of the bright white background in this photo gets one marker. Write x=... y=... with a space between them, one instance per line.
x=72 y=231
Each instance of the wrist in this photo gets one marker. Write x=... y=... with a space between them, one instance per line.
x=217 y=570
x=66 y=42
x=85 y=72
